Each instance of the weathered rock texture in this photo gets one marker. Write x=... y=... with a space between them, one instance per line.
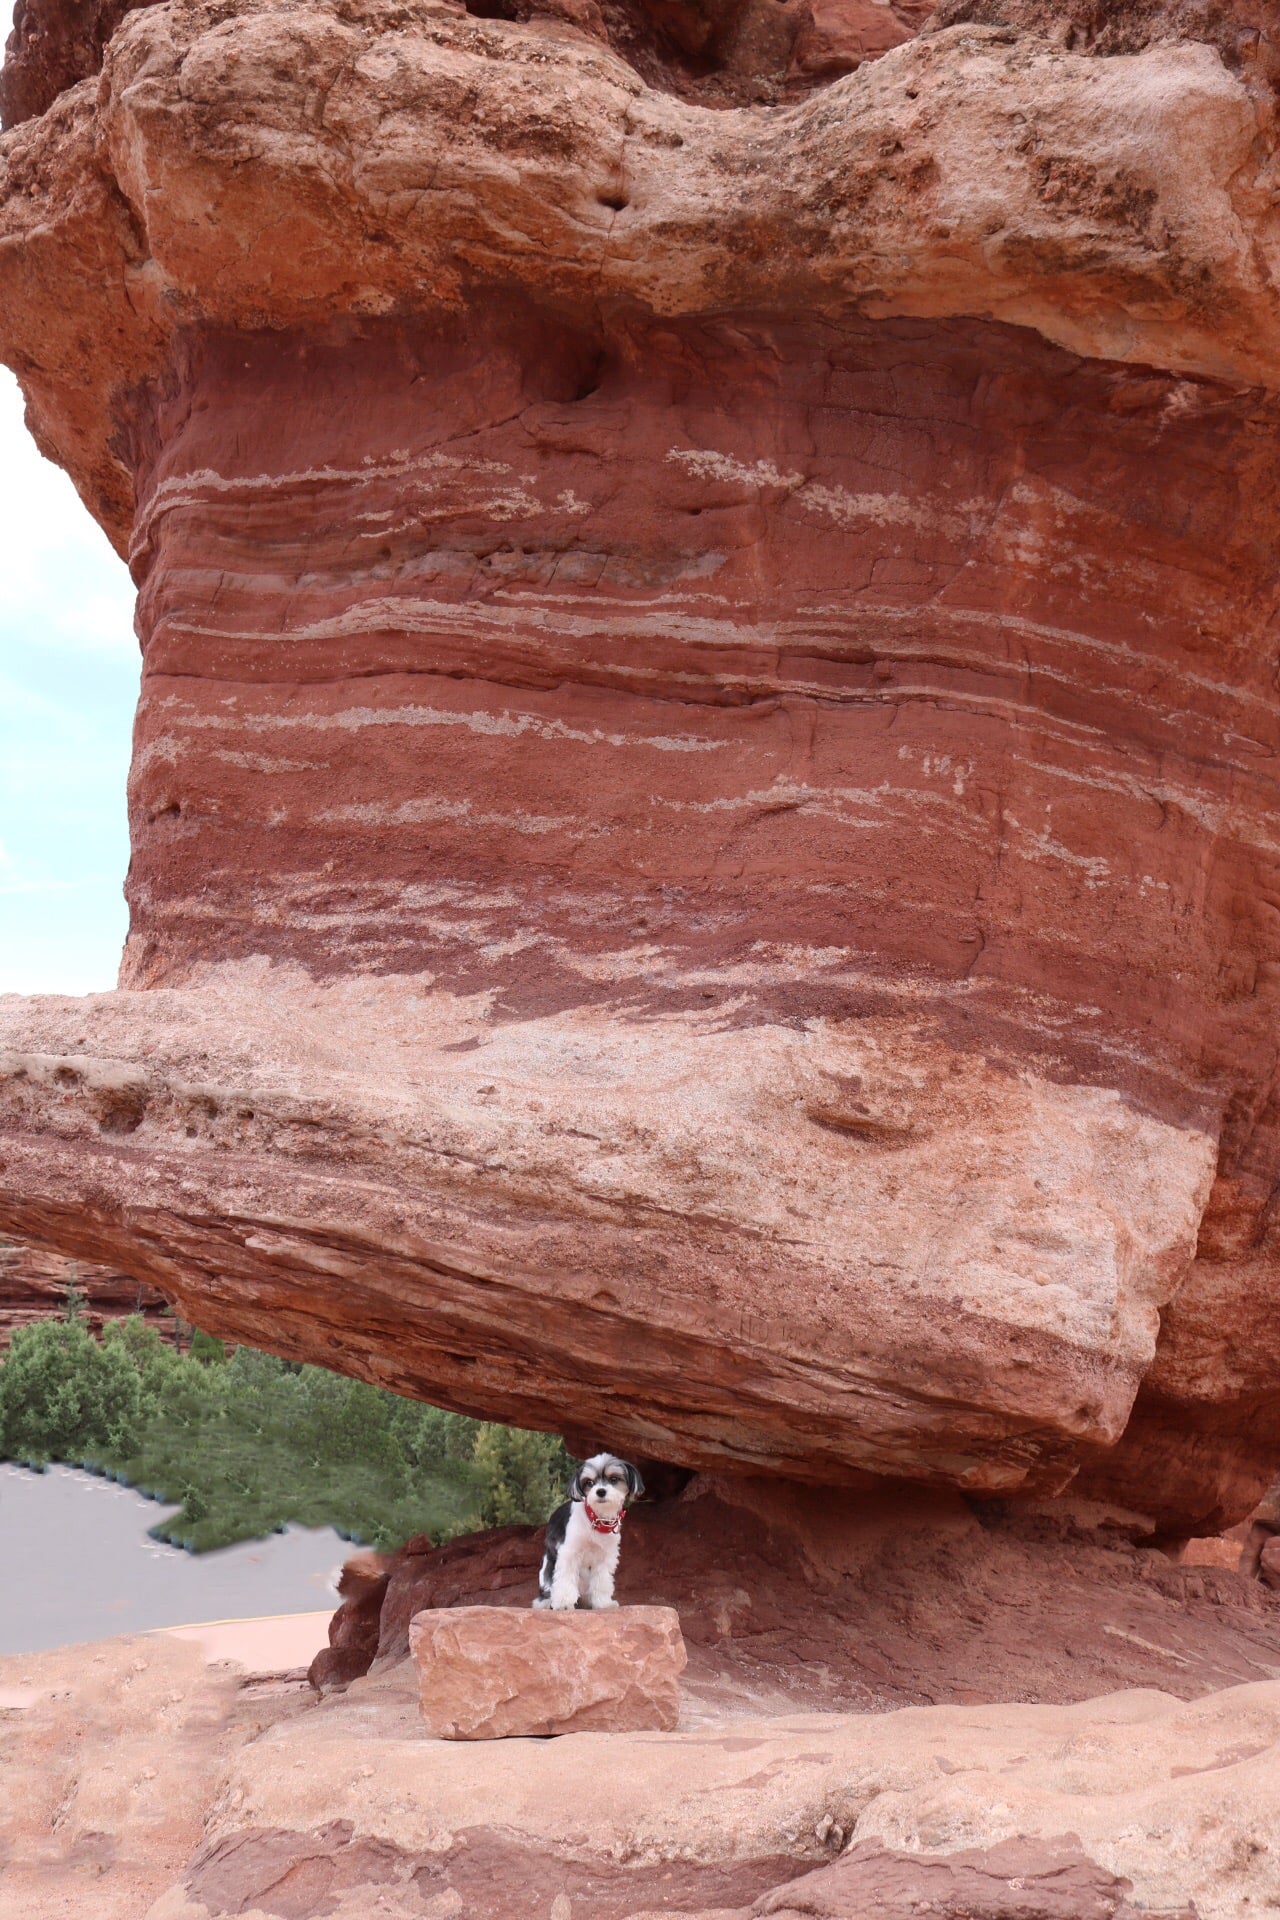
x=705 y=826
x=703 y=1237
x=491 y=1673
x=37 y=1286
x=812 y=1599
x=138 y=1786
x=1017 y=1880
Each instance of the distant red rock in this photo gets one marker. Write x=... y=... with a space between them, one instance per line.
x=38 y=1286
x=839 y=36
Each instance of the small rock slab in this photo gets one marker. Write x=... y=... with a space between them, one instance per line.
x=1269 y=1565
x=493 y=1673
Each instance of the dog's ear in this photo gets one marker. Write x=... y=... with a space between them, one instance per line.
x=634 y=1483
x=576 y=1489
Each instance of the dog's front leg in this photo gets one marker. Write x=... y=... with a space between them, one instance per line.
x=563 y=1597
x=598 y=1587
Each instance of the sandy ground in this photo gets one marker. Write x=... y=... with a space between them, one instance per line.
x=277 y=1643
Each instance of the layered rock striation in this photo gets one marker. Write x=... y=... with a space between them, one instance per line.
x=40 y=1286
x=706 y=862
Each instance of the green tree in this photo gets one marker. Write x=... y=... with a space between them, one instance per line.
x=522 y=1475
x=205 y=1347
x=73 y=1304
x=431 y=1438
x=246 y=1442
x=64 y=1394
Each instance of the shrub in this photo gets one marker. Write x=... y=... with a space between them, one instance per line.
x=244 y=1444
x=521 y=1475
x=62 y=1392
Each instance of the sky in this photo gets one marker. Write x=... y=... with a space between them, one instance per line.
x=68 y=687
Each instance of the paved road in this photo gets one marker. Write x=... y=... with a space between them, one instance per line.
x=76 y=1564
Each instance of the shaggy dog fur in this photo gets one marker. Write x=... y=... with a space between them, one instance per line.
x=584 y=1536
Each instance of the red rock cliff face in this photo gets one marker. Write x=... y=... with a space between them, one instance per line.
x=705 y=828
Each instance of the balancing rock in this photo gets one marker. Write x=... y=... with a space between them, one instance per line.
x=704 y=801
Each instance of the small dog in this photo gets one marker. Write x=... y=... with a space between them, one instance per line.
x=584 y=1536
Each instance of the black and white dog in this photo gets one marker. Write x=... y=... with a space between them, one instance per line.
x=584 y=1536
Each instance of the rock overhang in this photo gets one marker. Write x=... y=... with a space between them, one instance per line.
x=782 y=594
x=707 y=1241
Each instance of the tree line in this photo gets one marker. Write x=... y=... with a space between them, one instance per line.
x=243 y=1443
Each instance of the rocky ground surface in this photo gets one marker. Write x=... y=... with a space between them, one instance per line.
x=138 y=1780
x=884 y=1713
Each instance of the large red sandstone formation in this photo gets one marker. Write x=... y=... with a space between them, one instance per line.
x=139 y=1781
x=706 y=854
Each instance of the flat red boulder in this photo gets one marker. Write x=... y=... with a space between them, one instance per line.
x=491 y=1673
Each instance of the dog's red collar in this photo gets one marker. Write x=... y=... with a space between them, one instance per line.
x=599 y=1524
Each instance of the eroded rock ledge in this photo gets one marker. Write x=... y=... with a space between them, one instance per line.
x=267 y=165
x=704 y=807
